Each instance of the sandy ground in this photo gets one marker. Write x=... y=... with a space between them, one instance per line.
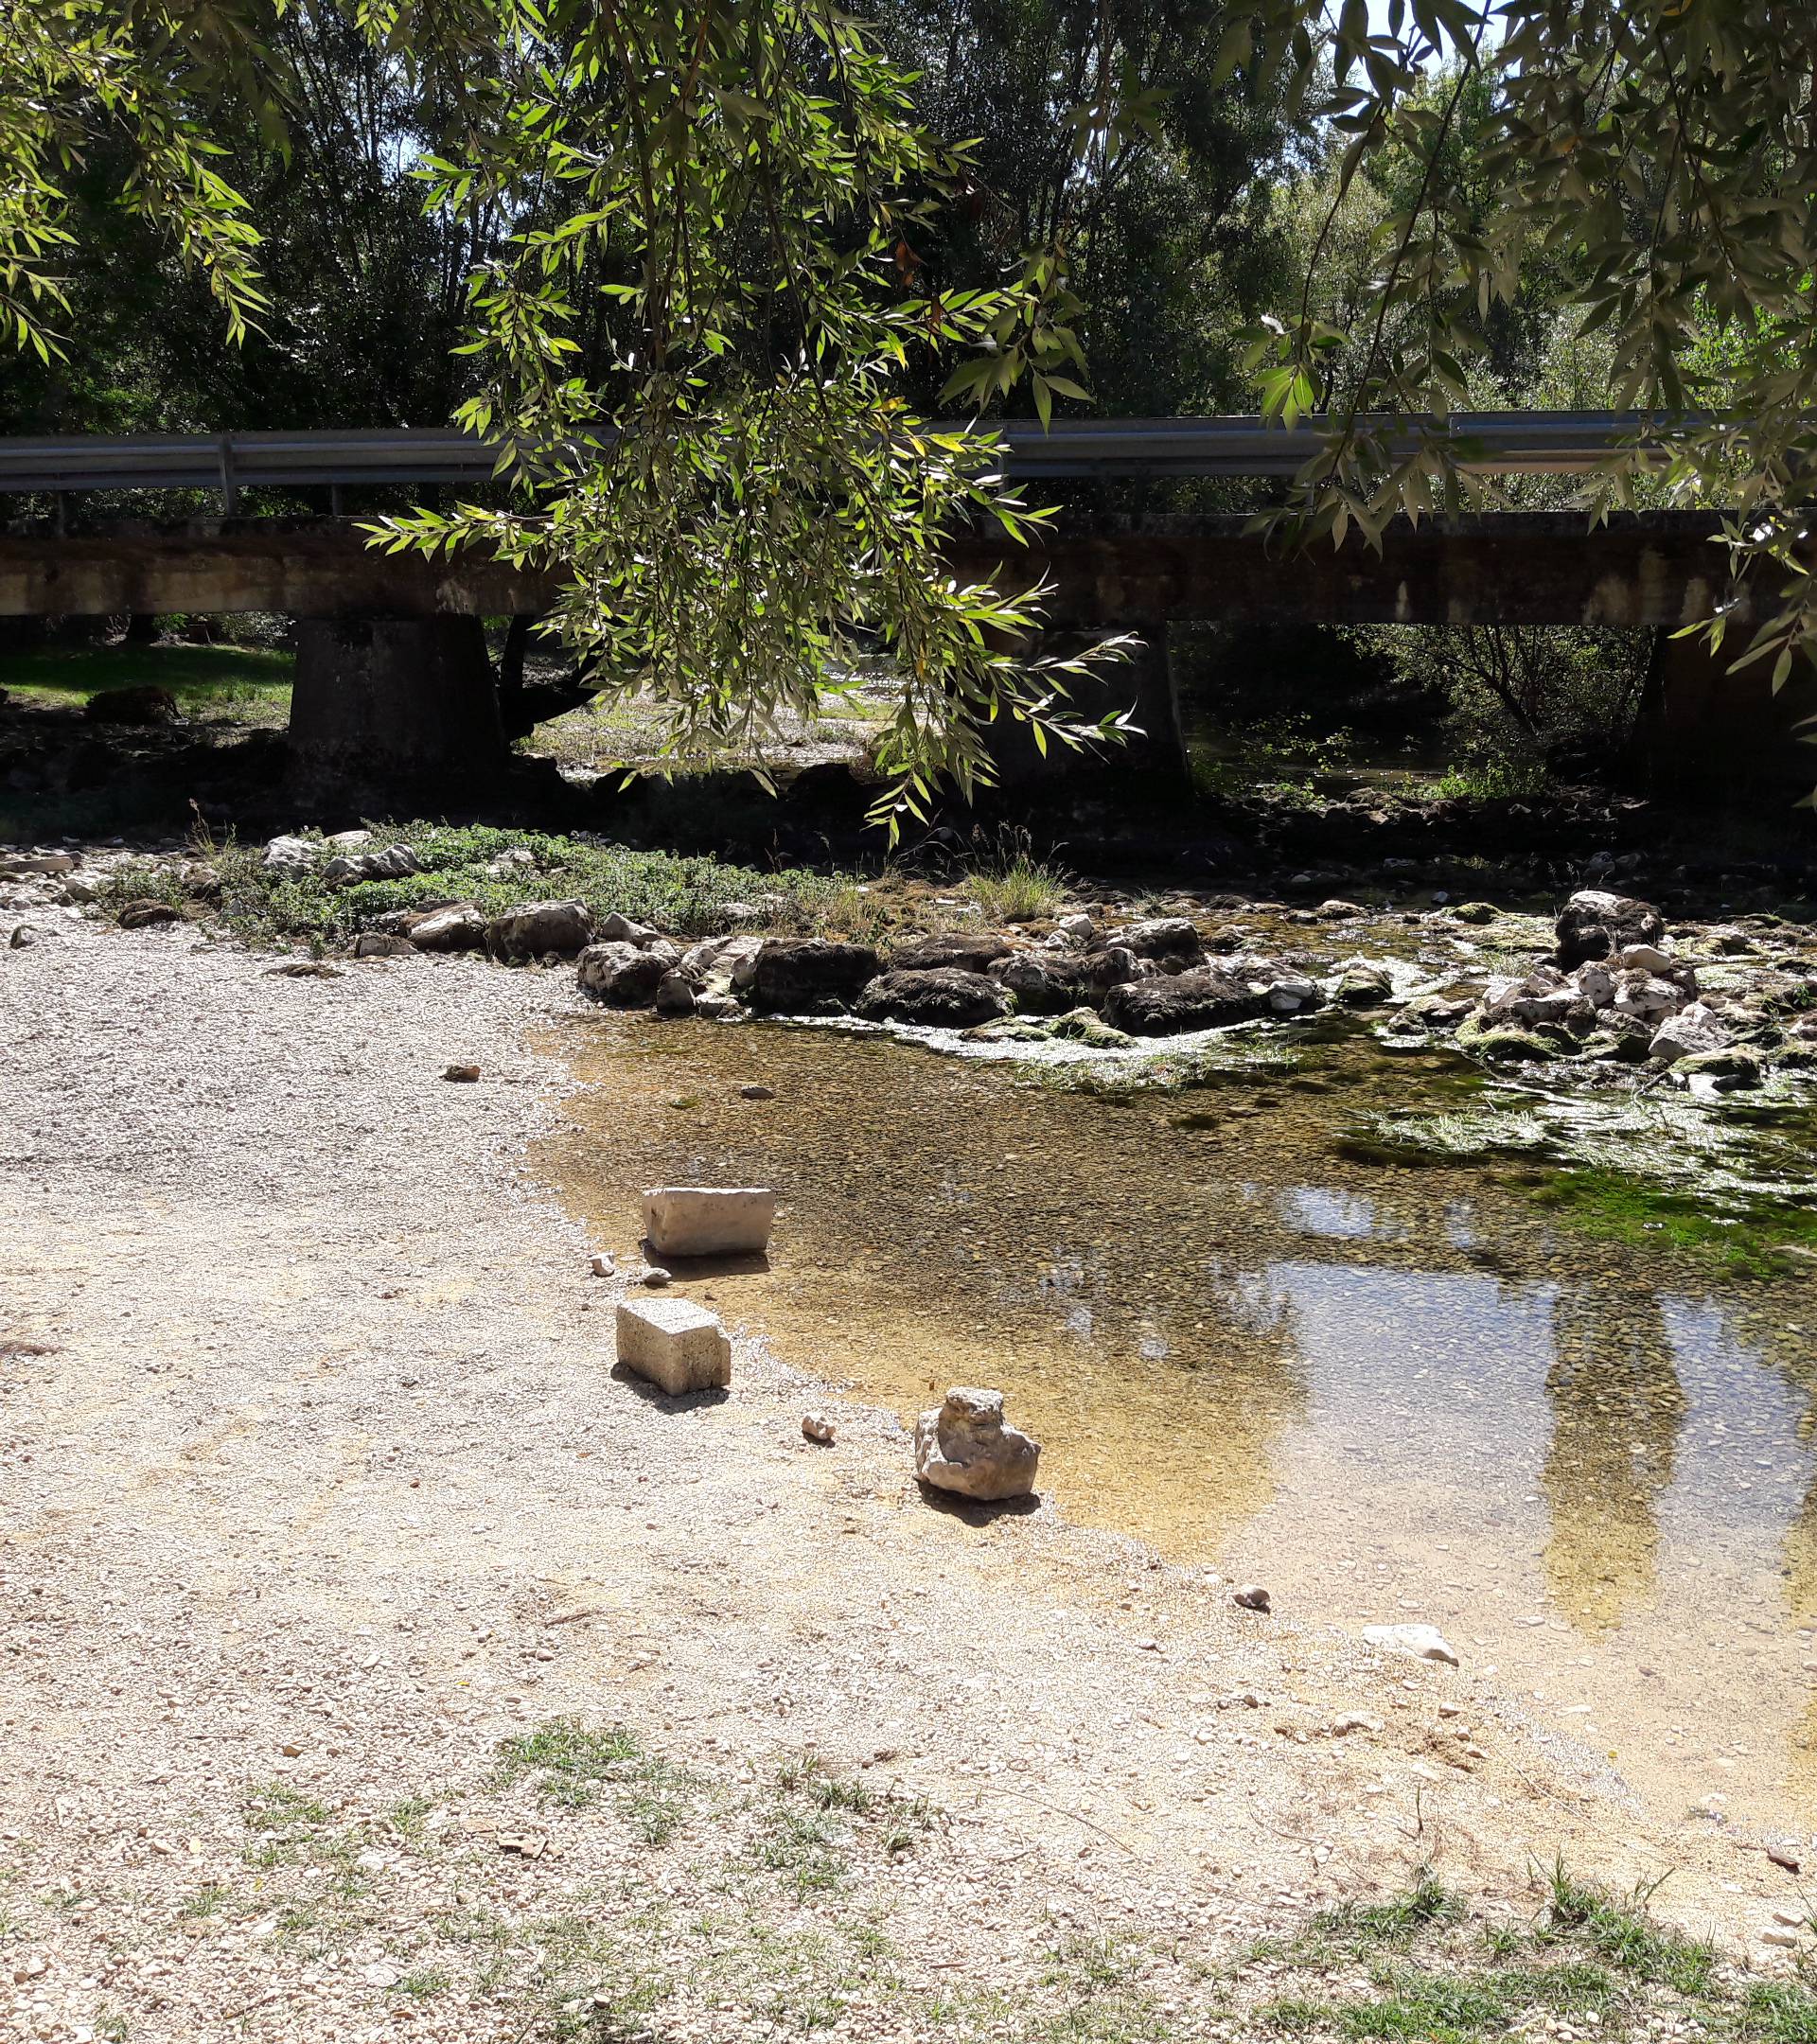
x=318 y=1490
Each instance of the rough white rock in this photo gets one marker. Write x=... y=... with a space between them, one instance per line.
x=1596 y=983
x=461 y=927
x=1638 y=993
x=1694 y=1030
x=674 y=1344
x=1644 y=958
x=965 y=1447
x=396 y=862
x=817 y=1427
x=694 y=1221
x=1076 y=928
x=1288 y=996
x=1423 y=1642
x=533 y=928
x=289 y=857
x=618 y=928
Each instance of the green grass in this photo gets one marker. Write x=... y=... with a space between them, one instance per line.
x=207 y=681
x=685 y=896
x=1617 y=1206
x=1010 y=885
x=1623 y=1933
x=571 y=1762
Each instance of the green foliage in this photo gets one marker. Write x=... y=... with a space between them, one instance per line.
x=1280 y=753
x=1625 y=1935
x=1522 y=699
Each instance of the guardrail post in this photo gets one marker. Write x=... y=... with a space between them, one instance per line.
x=229 y=488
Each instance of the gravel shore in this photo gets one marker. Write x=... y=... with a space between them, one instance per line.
x=378 y=1662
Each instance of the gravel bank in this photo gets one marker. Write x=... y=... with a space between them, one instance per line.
x=317 y=1492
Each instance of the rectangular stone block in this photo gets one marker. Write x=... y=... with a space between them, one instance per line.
x=690 y=1221
x=675 y=1344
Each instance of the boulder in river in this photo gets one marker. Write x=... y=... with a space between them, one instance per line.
x=1594 y=924
x=533 y=929
x=621 y=975
x=944 y=997
x=966 y=1446
x=1160 y=937
x=809 y=975
x=692 y=1220
x=1174 y=1002
x=1045 y=982
x=970 y=951
x=1693 y=1032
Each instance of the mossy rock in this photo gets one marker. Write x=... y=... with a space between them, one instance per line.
x=1796 y=1057
x=1008 y=1028
x=1475 y=911
x=1503 y=1042
x=1082 y=1026
x=1363 y=986
x=1738 y=1067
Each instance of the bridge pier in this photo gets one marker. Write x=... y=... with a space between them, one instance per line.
x=388 y=707
x=1142 y=684
x=1706 y=732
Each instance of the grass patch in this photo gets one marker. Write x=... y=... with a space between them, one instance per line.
x=1010 y=885
x=1626 y=1936
x=226 y=682
x=573 y=1764
x=686 y=896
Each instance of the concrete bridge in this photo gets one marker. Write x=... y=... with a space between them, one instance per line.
x=391 y=664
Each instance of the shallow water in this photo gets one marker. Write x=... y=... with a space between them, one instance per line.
x=1386 y=1393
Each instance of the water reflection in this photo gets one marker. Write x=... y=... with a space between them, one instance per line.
x=1616 y=1411
x=1398 y=1393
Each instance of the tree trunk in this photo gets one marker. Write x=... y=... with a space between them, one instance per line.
x=393 y=709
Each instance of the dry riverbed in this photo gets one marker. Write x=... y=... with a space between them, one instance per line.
x=378 y=1662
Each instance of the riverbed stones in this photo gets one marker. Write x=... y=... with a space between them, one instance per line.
x=966 y=1446
x=809 y=975
x=699 y=1220
x=622 y=974
x=675 y=1344
x=1418 y=1642
x=1175 y=1002
x=1594 y=924
x=536 y=929
x=944 y=998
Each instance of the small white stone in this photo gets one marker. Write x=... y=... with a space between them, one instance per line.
x=675 y=1344
x=1423 y=1642
x=816 y=1426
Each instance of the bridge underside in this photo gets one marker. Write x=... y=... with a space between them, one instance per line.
x=1644 y=570
x=1503 y=568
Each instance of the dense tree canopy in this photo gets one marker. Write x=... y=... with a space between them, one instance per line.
x=709 y=265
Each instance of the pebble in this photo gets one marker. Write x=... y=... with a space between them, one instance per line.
x=756 y=1092
x=1252 y=1596
x=816 y=1426
x=655 y=1276
x=462 y=1074
x=603 y=1265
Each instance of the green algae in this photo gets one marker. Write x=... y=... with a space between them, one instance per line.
x=1759 y=1238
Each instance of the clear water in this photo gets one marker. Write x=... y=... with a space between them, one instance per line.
x=1386 y=1393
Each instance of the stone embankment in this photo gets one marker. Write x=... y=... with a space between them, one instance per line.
x=1602 y=995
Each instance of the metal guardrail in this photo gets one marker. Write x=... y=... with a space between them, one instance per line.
x=1487 y=442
